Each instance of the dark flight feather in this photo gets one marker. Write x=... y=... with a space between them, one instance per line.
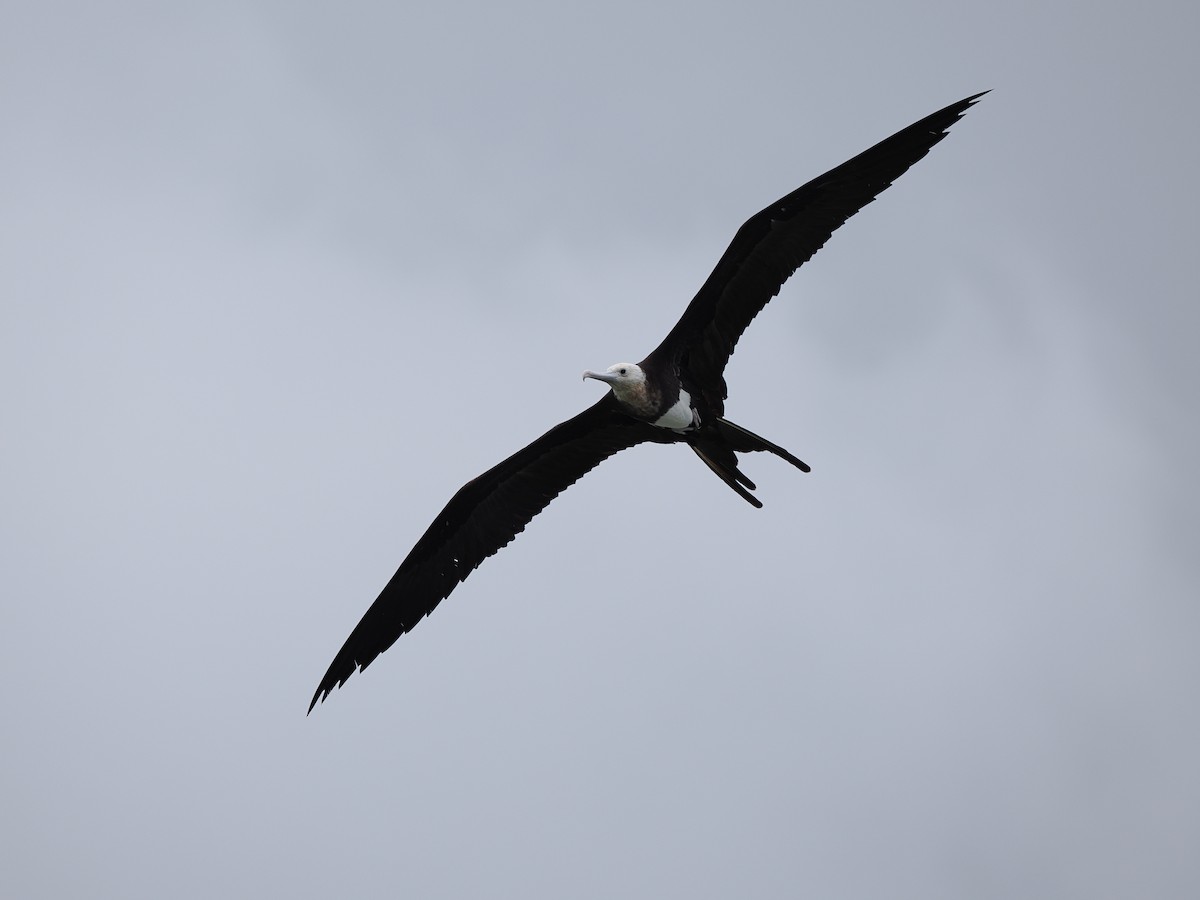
x=484 y=516
x=776 y=241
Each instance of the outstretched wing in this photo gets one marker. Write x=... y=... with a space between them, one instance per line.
x=775 y=242
x=485 y=515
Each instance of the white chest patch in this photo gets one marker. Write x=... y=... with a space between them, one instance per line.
x=678 y=416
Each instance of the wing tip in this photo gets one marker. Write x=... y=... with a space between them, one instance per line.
x=332 y=682
x=323 y=691
x=960 y=108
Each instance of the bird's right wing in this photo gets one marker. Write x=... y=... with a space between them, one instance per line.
x=485 y=515
x=775 y=242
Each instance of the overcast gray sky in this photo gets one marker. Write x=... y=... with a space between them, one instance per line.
x=277 y=278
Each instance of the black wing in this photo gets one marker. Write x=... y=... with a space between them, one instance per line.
x=775 y=242
x=485 y=515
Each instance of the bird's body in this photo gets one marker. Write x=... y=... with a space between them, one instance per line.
x=661 y=401
x=675 y=395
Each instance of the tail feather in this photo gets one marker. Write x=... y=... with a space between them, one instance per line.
x=727 y=471
x=719 y=451
x=743 y=441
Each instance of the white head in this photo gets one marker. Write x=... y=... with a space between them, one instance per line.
x=626 y=379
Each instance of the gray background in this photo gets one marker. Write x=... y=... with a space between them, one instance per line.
x=277 y=278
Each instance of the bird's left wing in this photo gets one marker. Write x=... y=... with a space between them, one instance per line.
x=485 y=515
x=775 y=242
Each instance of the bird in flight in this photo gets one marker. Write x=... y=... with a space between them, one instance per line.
x=676 y=395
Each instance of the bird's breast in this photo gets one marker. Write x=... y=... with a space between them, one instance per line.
x=680 y=415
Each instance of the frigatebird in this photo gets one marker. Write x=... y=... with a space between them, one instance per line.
x=676 y=395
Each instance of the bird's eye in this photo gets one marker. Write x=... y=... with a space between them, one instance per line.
x=621 y=371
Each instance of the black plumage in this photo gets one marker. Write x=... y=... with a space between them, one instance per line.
x=491 y=510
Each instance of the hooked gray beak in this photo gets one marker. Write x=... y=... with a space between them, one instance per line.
x=608 y=377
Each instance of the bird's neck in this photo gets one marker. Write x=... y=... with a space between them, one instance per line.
x=640 y=400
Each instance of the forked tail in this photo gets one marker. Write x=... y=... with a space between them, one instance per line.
x=719 y=446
